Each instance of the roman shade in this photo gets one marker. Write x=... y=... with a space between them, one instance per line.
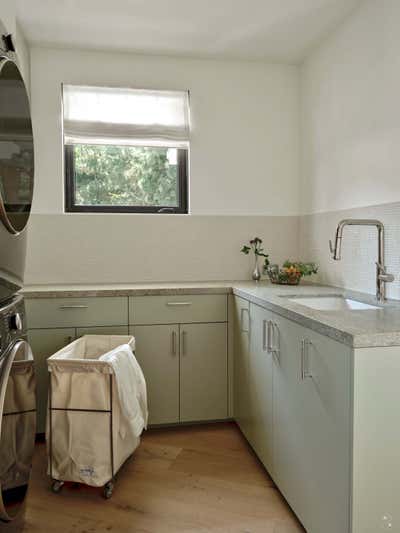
x=105 y=115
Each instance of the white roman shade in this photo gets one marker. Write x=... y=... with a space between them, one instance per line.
x=104 y=115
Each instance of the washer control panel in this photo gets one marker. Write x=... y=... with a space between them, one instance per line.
x=12 y=322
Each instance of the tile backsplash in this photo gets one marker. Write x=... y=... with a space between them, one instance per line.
x=356 y=270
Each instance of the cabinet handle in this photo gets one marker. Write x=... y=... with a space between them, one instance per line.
x=264 y=336
x=269 y=336
x=276 y=349
x=305 y=371
x=173 y=342
x=63 y=307
x=183 y=342
x=242 y=312
x=177 y=304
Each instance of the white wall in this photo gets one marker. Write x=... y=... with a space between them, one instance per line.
x=244 y=165
x=8 y=19
x=350 y=90
x=244 y=141
x=350 y=124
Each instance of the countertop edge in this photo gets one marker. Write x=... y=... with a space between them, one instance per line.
x=242 y=289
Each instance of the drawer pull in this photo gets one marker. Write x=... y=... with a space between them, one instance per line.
x=173 y=339
x=63 y=307
x=178 y=304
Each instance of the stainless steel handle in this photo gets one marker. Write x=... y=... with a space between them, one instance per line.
x=276 y=346
x=173 y=342
x=178 y=304
x=183 y=342
x=63 y=307
x=269 y=336
x=305 y=370
x=242 y=311
x=264 y=335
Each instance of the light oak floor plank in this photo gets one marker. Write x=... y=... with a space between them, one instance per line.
x=201 y=479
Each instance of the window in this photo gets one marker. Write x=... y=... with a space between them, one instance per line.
x=126 y=150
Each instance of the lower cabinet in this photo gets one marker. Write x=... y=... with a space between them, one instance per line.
x=45 y=342
x=203 y=372
x=185 y=364
x=186 y=370
x=241 y=366
x=158 y=355
x=297 y=402
x=312 y=427
x=261 y=391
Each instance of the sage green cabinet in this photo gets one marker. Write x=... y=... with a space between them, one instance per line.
x=76 y=312
x=203 y=372
x=261 y=384
x=292 y=401
x=312 y=427
x=185 y=367
x=157 y=351
x=241 y=370
x=44 y=343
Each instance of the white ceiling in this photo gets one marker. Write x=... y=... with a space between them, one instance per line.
x=278 y=30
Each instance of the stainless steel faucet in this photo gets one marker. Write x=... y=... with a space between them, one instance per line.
x=382 y=276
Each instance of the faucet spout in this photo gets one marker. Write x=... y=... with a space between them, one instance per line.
x=382 y=276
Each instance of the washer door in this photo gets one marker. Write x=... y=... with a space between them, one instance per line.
x=17 y=427
x=16 y=149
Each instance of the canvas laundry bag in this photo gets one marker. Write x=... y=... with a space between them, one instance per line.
x=97 y=408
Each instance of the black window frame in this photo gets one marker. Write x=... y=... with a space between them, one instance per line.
x=71 y=207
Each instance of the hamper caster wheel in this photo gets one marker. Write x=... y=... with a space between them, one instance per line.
x=57 y=486
x=108 y=490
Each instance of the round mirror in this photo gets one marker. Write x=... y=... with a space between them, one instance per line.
x=16 y=149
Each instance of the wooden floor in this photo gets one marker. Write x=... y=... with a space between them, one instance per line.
x=190 y=479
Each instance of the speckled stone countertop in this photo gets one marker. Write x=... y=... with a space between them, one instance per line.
x=133 y=289
x=356 y=328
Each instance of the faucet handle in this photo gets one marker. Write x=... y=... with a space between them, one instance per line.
x=383 y=274
x=331 y=248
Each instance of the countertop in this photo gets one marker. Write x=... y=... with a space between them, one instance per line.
x=355 y=328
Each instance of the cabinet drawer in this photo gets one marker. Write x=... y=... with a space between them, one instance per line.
x=76 y=312
x=177 y=309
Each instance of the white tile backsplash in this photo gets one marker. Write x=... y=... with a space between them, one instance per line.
x=356 y=270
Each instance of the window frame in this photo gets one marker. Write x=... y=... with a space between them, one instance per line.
x=72 y=207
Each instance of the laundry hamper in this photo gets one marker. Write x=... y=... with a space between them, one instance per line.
x=88 y=435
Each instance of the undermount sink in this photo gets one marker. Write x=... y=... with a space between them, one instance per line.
x=331 y=303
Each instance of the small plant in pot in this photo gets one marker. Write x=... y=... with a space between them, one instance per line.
x=257 y=249
x=291 y=272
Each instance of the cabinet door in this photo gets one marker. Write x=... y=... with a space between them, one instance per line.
x=203 y=372
x=261 y=382
x=241 y=401
x=157 y=351
x=312 y=427
x=44 y=343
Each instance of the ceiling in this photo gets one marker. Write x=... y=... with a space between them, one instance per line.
x=277 y=30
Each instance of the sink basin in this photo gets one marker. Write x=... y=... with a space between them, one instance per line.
x=331 y=303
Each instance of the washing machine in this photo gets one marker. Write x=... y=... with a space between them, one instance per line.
x=17 y=379
x=17 y=409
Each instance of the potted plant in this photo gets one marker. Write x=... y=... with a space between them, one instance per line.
x=256 y=248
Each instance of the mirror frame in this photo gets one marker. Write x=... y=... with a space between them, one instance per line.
x=4 y=59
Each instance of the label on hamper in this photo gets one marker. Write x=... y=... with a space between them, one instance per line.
x=87 y=471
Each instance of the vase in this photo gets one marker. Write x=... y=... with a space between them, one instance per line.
x=256 y=275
